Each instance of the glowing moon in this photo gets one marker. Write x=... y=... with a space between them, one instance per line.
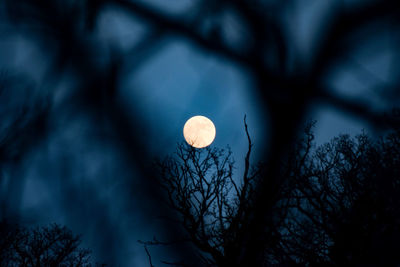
x=199 y=131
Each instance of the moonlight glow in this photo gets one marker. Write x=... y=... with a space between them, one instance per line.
x=199 y=131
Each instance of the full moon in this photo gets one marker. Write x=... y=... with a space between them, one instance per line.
x=199 y=131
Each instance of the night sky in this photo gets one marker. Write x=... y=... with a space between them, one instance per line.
x=76 y=174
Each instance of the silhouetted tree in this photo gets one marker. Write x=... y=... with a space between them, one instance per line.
x=212 y=204
x=338 y=205
x=343 y=200
x=42 y=246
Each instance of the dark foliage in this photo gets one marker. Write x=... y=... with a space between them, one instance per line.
x=342 y=201
x=45 y=246
x=338 y=205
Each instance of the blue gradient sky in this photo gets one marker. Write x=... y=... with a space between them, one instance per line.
x=176 y=83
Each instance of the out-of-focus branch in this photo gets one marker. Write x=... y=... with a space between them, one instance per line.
x=359 y=109
x=178 y=27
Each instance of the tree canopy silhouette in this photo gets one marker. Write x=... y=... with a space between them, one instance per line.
x=45 y=246
x=342 y=200
x=338 y=205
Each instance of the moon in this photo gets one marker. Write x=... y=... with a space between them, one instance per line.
x=199 y=131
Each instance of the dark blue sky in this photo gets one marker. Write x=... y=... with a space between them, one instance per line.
x=178 y=81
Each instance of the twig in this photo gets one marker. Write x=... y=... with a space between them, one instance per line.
x=247 y=158
x=148 y=255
